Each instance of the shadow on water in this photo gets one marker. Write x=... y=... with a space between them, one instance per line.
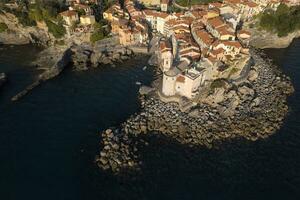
x=237 y=169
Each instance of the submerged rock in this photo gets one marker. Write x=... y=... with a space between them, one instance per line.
x=3 y=79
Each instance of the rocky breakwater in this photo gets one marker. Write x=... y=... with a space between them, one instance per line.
x=252 y=109
x=53 y=61
x=105 y=52
x=16 y=34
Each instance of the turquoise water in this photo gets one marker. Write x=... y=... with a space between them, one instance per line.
x=49 y=138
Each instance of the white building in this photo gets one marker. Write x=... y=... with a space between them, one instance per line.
x=188 y=83
x=164 y=5
x=169 y=81
x=182 y=81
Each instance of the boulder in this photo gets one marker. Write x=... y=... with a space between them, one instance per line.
x=144 y=90
x=252 y=75
x=245 y=90
x=216 y=97
x=95 y=57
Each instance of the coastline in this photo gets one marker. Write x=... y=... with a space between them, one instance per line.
x=236 y=114
x=53 y=60
x=253 y=111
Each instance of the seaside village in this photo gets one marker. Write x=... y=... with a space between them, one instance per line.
x=197 y=45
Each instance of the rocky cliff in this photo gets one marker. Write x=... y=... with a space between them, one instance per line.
x=264 y=40
x=18 y=34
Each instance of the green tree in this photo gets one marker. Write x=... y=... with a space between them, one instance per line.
x=282 y=21
x=57 y=29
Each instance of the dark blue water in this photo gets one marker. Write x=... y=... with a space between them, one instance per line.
x=48 y=141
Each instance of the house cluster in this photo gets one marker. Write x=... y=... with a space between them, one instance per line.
x=197 y=46
x=128 y=23
x=79 y=13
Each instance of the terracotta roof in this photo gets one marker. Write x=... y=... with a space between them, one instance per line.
x=225 y=30
x=205 y=37
x=216 y=22
x=232 y=43
x=180 y=79
x=164 y=45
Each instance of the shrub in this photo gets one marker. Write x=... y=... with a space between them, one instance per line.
x=233 y=71
x=218 y=83
x=100 y=32
x=57 y=29
x=24 y=18
x=3 y=27
x=60 y=42
x=282 y=21
x=96 y=36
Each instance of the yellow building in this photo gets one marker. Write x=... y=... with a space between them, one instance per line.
x=212 y=14
x=107 y=15
x=70 y=17
x=87 y=20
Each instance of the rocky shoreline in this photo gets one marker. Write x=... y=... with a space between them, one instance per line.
x=106 y=52
x=253 y=109
x=54 y=59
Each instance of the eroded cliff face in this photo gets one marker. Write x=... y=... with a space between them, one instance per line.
x=264 y=40
x=18 y=34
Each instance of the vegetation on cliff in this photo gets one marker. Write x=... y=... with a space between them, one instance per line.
x=3 y=27
x=41 y=11
x=57 y=29
x=48 y=12
x=99 y=33
x=218 y=83
x=21 y=14
x=192 y=2
x=283 y=21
